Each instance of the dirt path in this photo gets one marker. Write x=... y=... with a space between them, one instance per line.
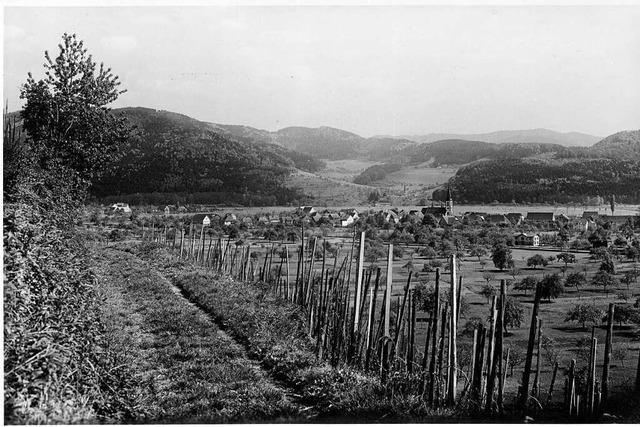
x=186 y=368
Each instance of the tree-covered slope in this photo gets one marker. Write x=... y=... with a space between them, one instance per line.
x=173 y=153
x=540 y=181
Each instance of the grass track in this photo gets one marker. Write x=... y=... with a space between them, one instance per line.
x=187 y=370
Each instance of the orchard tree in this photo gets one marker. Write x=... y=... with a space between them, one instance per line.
x=501 y=256
x=488 y=291
x=551 y=286
x=604 y=279
x=575 y=280
x=583 y=314
x=537 y=260
x=66 y=115
x=528 y=283
x=477 y=251
x=567 y=258
x=513 y=313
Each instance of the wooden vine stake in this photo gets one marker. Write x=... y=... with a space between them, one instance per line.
x=524 y=390
x=607 y=354
x=453 y=357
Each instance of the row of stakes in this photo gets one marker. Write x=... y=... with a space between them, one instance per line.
x=342 y=321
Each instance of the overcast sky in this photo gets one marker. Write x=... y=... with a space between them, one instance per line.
x=370 y=70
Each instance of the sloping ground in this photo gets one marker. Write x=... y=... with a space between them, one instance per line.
x=328 y=191
x=187 y=370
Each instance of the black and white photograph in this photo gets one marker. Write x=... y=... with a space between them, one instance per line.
x=361 y=212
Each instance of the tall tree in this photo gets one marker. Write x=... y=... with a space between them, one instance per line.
x=65 y=114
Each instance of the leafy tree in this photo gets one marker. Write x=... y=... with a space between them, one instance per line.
x=514 y=272
x=575 y=280
x=427 y=252
x=608 y=265
x=628 y=277
x=566 y=258
x=550 y=347
x=488 y=291
x=477 y=251
x=537 y=260
x=551 y=286
x=528 y=283
x=604 y=279
x=65 y=114
x=623 y=314
x=583 y=314
x=516 y=357
x=620 y=353
x=513 y=313
x=501 y=256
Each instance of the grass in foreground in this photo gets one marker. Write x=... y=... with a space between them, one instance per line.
x=188 y=371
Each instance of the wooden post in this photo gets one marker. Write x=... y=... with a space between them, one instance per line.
x=592 y=376
x=571 y=395
x=288 y=293
x=453 y=343
x=491 y=366
x=181 y=242
x=524 y=392
x=372 y=314
x=434 y=339
x=476 y=384
x=387 y=298
x=553 y=380
x=607 y=355
x=356 y=317
x=535 y=389
x=500 y=345
x=412 y=334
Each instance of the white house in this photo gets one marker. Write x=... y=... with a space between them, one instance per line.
x=524 y=239
x=121 y=207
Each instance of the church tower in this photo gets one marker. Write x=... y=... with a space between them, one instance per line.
x=449 y=202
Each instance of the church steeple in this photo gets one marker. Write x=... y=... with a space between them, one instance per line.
x=449 y=202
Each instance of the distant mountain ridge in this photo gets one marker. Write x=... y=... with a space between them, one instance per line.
x=524 y=136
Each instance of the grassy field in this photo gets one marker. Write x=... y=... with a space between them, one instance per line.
x=345 y=170
x=324 y=190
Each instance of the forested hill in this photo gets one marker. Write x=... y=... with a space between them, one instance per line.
x=173 y=156
x=610 y=167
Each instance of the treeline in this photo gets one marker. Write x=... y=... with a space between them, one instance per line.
x=376 y=173
x=529 y=181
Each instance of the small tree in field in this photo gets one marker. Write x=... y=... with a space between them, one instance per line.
x=528 y=283
x=583 y=314
x=604 y=279
x=537 y=260
x=620 y=353
x=488 y=277
x=501 y=256
x=575 y=280
x=551 y=286
x=477 y=251
x=566 y=258
x=513 y=313
x=515 y=358
x=488 y=291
